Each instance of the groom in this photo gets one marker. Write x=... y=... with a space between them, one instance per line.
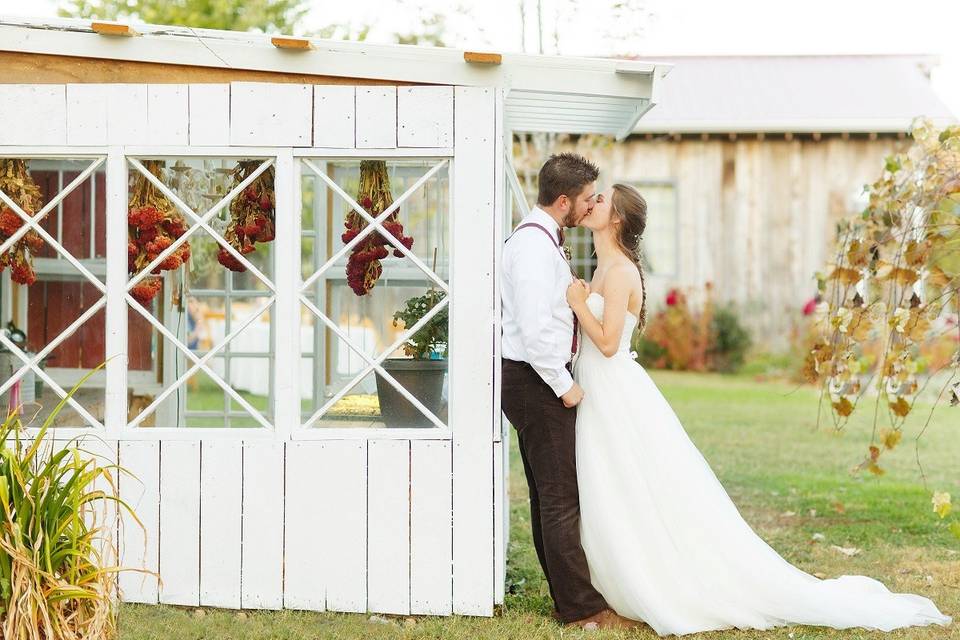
x=539 y=394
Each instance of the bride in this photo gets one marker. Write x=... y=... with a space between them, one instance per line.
x=664 y=542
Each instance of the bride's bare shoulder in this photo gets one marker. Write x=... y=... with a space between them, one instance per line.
x=625 y=273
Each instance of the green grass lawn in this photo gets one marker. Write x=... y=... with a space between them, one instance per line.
x=789 y=479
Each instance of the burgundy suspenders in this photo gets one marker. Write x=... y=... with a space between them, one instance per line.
x=573 y=345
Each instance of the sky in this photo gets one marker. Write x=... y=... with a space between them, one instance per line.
x=662 y=27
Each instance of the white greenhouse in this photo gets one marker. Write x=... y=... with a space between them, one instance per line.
x=285 y=251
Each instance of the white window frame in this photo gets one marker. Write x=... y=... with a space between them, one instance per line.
x=441 y=158
x=286 y=276
x=33 y=222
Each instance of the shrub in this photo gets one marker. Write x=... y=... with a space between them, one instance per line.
x=730 y=341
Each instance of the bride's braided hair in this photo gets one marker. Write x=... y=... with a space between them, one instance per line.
x=631 y=209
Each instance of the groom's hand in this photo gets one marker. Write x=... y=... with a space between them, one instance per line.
x=573 y=397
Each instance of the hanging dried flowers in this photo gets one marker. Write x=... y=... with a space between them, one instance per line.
x=153 y=224
x=252 y=214
x=373 y=194
x=16 y=183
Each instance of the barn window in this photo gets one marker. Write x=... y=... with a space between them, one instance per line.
x=52 y=287
x=200 y=292
x=354 y=372
x=660 y=245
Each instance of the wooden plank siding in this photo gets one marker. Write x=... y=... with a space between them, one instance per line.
x=400 y=523
x=755 y=217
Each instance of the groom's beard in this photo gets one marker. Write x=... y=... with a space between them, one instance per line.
x=570 y=219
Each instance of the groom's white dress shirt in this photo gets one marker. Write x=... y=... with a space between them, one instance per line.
x=536 y=320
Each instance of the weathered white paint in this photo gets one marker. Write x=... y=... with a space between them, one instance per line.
x=334 y=116
x=388 y=546
x=127 y=114
x=424 y=116
x=86 y=114
x=167 y=114
x=500 y=501
x=115 y=345
x=209 y=114
x=221 y=485
x=262 y=530
x=388 y=520
x=139 y=542
x=33 y=114
x=471 y=369
x=342 y=492
x=304 y=580
x=377 y=117
x=180 y=522
x=431 y=535
x=269 y=113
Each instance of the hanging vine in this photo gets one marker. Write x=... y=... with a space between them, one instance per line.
x=252 y=214
x=892 y=289
x=153 y=224
x=16 y=183
x=373 y=194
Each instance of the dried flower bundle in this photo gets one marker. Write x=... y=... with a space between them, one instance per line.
x=373 y=194
x=153 y=224
x=252 y=214
x=16 y=182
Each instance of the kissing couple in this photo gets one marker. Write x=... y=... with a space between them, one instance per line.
x=630 y=524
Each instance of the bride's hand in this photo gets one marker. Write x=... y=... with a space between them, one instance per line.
x=577 y=292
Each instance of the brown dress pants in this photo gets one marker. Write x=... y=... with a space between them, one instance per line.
x=546 y=431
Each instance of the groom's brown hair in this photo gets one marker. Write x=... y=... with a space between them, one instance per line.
x=564 y=174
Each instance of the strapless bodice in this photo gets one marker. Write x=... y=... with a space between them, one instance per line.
x=595 y=304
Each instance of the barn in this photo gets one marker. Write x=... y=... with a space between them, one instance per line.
x=285 y=250
x=748 y=162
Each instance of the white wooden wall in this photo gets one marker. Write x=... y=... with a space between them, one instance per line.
x=286 y=518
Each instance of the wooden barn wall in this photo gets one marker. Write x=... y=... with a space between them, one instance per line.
x=299 y=518
x=756 y=217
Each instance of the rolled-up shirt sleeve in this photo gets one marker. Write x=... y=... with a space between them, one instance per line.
x=534 y=283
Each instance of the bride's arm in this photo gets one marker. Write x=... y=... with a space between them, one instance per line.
x=616 y=298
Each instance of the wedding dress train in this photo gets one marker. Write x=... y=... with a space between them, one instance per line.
x=664 y=542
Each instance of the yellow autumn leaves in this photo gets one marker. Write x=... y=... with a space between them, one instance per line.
x=941 y=503
x=894 y=281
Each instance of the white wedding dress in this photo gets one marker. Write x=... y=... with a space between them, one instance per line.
x=664 y=542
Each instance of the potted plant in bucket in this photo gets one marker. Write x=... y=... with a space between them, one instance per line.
x=422 y=371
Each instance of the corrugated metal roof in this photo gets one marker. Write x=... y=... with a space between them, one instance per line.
x=546 y=93
x=808 y=93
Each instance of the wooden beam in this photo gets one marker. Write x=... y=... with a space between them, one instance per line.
x=113 y=29
x=28 y=68
x=282 y=42
x=476 y=57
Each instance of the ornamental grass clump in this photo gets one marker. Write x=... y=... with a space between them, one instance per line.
x=58 y=571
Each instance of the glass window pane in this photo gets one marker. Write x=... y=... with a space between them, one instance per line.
x=362 y=292
x=47 y=302
x=216 y=303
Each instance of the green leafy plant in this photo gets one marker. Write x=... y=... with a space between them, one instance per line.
x=432 y=336
x=730 y=340
x=57 y=568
